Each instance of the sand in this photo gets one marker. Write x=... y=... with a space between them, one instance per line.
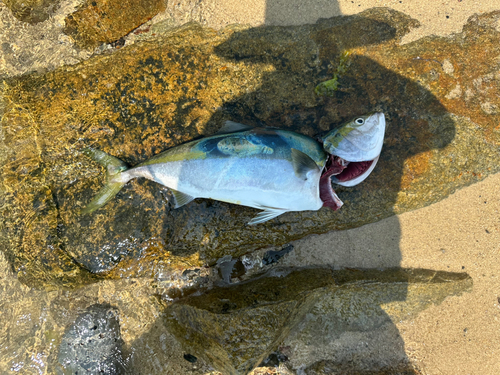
x=458 y=234
x=436 y=17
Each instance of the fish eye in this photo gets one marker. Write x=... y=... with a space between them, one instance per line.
x=359 y=121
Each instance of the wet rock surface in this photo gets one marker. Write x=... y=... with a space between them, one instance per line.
x=439 y=95
x=37 y=322
x=92 y=344
x=328 y=312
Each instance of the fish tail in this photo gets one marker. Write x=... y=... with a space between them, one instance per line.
x=115 y=179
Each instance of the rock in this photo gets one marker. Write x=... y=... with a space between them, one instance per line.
x=106 y=21
x=183 y=84
x=32 y=11
x=34 y=323
x=235 y=327
x=92 y=344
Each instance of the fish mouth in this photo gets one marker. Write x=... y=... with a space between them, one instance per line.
x=353 y=150
x=341 y=172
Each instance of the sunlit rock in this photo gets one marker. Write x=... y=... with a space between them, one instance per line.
x=92 y=343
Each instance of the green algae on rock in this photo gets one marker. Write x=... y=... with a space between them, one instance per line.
x=235 y=327
x=105 y=21
x=32 y=11
x=442 y=134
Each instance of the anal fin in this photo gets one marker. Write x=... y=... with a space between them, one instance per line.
x=181 y=198
x=268 y=213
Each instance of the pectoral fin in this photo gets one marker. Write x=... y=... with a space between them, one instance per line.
x=302 y=164
x=268 y=214
x=180 y=199
x=241 y=146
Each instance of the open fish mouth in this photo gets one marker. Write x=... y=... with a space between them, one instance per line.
x=341 y=172
x=353 y=151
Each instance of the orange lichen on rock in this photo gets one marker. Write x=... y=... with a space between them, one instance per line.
x=415 y=167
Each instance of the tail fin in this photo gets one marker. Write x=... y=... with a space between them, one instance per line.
x=114 y=167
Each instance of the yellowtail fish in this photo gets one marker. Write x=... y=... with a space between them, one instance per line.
x=270 y=169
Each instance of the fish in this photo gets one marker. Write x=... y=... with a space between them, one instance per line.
x=270 y=169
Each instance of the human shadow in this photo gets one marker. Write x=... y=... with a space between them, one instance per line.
x=416 y=123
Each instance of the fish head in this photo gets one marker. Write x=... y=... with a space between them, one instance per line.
x=353 y=149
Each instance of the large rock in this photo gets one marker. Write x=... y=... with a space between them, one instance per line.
x=440 y=96
x=234 y=328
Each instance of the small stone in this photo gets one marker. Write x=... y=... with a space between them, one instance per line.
x=32 y=11
x=273 y=256
x=455 y=93
x=448 y=67
x=489 y=108
x=190 y=358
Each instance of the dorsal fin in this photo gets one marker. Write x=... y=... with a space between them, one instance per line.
x=232 y=127
x=302 y=164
